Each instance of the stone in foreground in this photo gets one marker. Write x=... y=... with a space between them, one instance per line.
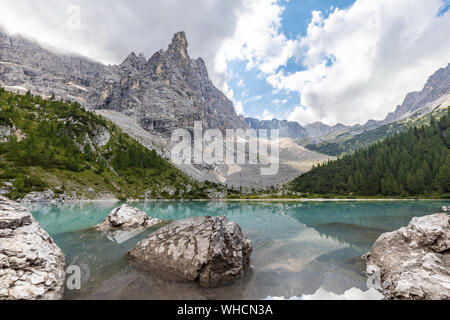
x=413 y=262
x=126 y=222
x=31 y=264
x=210 y=250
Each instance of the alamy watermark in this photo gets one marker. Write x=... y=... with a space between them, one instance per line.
x=236 y=147
x=76 y=275
x=73 y=17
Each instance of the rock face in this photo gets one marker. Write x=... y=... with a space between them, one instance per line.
x=437 y=86
x=6 y=132
x=31 y=264
x=25 y=65
x=168 y=92
x=126 y=222
x=414 y=262
x=210 y=250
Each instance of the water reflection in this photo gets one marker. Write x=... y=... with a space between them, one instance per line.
x=298 y=247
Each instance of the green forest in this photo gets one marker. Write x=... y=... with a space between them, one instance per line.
x=55 y=146
x=415 y=163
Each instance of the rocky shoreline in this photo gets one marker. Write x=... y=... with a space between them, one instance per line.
x=31 y=264
x=413 y=263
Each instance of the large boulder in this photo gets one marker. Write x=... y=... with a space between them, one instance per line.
x=413 y=262
x=31 y=264
x=125 y=222
x=210 y=250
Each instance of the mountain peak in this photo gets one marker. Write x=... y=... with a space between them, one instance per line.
x=134 y=61
x=179 y=45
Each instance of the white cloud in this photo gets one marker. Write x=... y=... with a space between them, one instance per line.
x=239 y=107
x=257 y=39
x=267 y=115
x=302 y=115
x=381 y=51
x=111 y=29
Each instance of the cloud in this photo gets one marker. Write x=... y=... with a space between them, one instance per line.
x=239 y=107
x=267 y=115
x=361 y=62
x=257 y=39
x=111 y=29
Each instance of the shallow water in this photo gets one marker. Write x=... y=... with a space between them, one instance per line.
x=298 y=247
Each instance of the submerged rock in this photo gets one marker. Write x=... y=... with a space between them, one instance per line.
x=210 y=250
x=413 y=262
x=126 y=222
x=31 y=264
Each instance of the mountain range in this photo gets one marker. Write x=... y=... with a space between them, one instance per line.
x=150 y=98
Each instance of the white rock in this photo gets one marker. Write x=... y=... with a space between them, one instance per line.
x=125 y=222
x=31 y=264
x=210 y=250
x=414 y=262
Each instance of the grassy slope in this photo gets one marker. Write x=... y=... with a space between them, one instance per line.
x=54 y=147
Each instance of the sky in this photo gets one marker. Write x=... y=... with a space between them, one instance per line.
x=335 y=61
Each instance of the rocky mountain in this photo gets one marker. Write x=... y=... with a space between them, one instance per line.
x=319 y=129
x=438 y=85
x=26 y=65
x=165 y=93
x=288 y=129
x=415 y=110
x=148 y=100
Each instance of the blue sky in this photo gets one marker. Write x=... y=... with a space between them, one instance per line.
x=332 y=64
x=259 y=98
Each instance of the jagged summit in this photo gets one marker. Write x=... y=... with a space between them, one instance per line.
x=168 y=92
x=179 y=45
x=134 y=61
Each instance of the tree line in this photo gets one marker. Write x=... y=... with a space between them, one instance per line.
x=412 y=163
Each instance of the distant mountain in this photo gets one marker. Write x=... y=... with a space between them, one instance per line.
x=345 y=144
x=287 y=129
x=167 y=92
x=437 y=86
x=416 y=108
x=25 y=65
x=319 y=129
x=411 y=163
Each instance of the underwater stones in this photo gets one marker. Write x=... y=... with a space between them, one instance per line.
x=31 y=264
x=125 y=222
x=210 y=250
x=413 y=262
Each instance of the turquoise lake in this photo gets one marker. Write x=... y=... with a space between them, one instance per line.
x=297 y=247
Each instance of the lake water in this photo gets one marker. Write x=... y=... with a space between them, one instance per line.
x=298 y=247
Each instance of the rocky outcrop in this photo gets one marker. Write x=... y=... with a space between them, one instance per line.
x=413 y=262
x=125 y=222
x=210 y=250
x=6 y=132
x=31 y=264
x=34 y=197
x=168 y=92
